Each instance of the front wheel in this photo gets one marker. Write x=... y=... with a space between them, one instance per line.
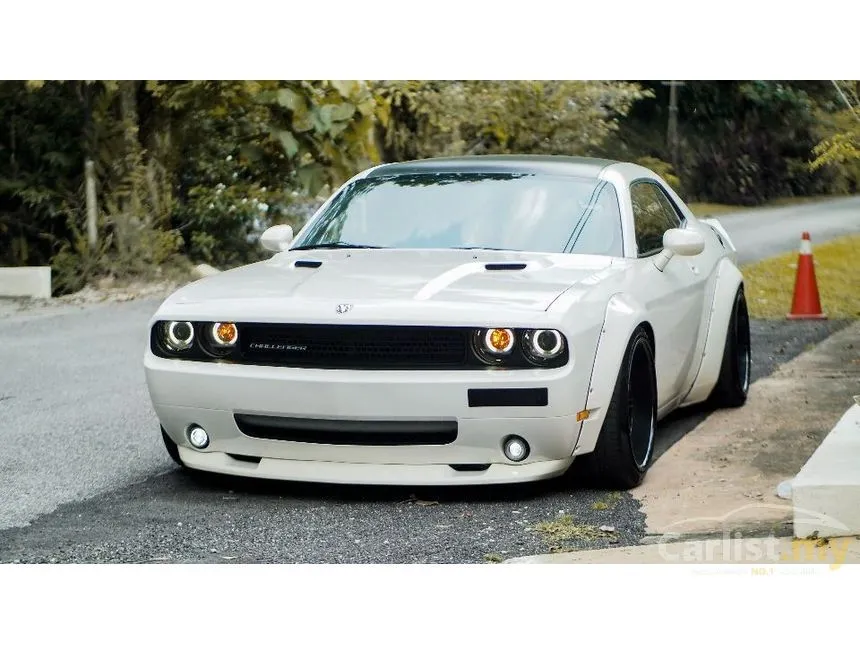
x=172 y=448
x=625 y=446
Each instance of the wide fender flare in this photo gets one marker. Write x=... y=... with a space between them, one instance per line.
x=623 y=315
x=728 y=279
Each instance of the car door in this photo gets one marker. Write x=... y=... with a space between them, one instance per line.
x=674 y=296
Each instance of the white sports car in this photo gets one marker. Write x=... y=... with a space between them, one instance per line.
x=475 y=320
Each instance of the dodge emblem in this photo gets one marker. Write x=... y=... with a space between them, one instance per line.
x=342 y=309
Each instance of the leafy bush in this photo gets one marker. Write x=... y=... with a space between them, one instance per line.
x=741 y=142
x=838 y=150
x=662 y=168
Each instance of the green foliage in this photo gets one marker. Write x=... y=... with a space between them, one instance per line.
x=245 y=151
x=74 y=265
x=741 y=142
x=200 y=168
x=760 y=134
x=545 y=117
x=224 y=172
x=40 y=171
x=839 y=147
x=325 y=129
x=421 y=119
x=662 y=168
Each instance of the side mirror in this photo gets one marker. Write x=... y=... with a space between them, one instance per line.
x=679 y=241
x=682 y=241
x=277 y=238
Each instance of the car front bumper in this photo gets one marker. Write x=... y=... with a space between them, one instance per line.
x=210 y=394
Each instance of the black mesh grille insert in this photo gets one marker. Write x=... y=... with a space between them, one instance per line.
x=351 y=346
x=346 y=432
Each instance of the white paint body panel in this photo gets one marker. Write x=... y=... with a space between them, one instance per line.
x=595 y=301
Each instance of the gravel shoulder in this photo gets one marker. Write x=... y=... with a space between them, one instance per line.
x=724 y=476
x=181 y=518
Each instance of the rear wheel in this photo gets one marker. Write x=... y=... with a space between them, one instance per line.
x=734 y=382
x=625 y=446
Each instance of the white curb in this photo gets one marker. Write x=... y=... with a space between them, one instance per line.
x=32 y=282
x=826 y=492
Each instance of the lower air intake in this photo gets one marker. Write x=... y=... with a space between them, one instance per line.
x=336 y=432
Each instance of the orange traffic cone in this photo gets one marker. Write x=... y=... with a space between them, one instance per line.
x=806 y=304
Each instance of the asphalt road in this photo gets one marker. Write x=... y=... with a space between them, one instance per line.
x=762 y=232
x=83 y=474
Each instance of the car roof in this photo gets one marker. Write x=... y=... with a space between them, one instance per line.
x=587 y=167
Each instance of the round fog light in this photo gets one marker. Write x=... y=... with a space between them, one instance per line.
x=516 y=448
x=198 y=437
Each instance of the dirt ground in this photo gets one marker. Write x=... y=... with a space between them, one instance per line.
x=723 y=476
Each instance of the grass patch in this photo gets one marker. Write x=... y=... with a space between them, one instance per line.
x=770 y=283
x=495 y=558
x=610 y=501
x=706 y=209
x=556 y=533
x=564 y=529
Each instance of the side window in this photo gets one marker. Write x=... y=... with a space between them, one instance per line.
x=653 y=215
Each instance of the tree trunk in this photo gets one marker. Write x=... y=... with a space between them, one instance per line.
x=154 y=210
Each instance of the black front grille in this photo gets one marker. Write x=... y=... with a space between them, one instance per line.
x=351 y=346
x=336 y=432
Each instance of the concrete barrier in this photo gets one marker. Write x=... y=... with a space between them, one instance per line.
x=826 y=492
x=32 y=282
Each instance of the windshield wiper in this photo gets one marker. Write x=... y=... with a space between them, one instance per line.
x=333 y=245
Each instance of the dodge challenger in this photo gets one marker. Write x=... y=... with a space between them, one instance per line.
x=477 y=320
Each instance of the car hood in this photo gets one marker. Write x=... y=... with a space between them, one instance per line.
x=373 y=278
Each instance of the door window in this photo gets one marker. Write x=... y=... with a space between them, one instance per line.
x=653 y=215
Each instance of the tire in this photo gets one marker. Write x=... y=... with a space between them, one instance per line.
x=625 y=446
x=172 y=448
x=734 y=382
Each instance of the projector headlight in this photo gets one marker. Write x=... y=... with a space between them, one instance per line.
x=541 y=345
x=178 y=336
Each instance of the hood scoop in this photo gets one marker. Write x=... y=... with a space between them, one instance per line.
x=505 y=266
x=307 y=264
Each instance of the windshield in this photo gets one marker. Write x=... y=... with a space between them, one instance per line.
x=520 y=212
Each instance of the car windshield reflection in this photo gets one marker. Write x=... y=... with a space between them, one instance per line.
x=472 y=211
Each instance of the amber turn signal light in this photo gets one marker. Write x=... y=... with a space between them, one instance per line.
x=499 y=341
x=225 y=334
